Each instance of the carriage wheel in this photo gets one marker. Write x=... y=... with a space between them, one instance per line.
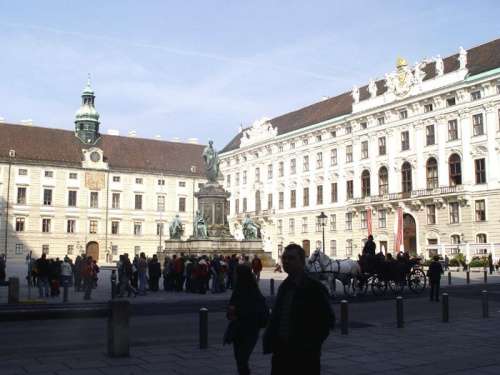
x=417 y=281
x=397 y=286
x=363 y=286
x=379 y=286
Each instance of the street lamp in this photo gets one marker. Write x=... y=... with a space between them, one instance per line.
x=322 y=221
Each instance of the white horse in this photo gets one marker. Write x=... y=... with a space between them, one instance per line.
x=347 y=271
x=314 y=268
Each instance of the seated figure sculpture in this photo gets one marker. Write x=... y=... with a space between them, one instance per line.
x=200 y=230
x=176 y=228
x=250 y=228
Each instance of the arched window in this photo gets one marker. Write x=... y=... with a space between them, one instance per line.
x=481 y=238
x=455 y=239
x=455 y=170
x=432 y=173
x=383 y=181
x=333 y=248
x=406 y=177
x=365 y=183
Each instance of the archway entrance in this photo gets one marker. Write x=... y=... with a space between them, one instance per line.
x=93 y=250
x=306 y=245
x=409 y=234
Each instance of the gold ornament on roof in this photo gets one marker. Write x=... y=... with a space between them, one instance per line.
x=401 y=62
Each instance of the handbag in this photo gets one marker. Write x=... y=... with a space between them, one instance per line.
x=229 y=333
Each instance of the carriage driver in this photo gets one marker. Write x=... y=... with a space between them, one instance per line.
x=370 y=246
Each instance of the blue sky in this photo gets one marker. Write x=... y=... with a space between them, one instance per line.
x=199 y=69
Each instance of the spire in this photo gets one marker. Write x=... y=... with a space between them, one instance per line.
x=87 y=117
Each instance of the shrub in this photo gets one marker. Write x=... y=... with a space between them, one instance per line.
x=454 y=263
x=479 y=263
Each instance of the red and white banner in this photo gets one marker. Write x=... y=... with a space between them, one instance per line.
x=399 y=234
x=369 y=221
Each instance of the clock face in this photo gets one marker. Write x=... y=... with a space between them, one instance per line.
x=95 y=156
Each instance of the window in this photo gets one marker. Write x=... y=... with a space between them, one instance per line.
x=237 y=205
x=481 y=238
x=365 y=183
x=19 y=248
x=452 y=130
x=138 y=181
x=305 y=142
x=318 y=138
x=431 y=214
x=245 y=205
x=349 y=189
x=406 y=177
x=159 y=229
x=161 y=182
x=480 y=206
x=137 y=228
x=348 y=129
x=270 y=171
x=476 y=95
x=281 y=169
x=160 y=203
x=47 y=197
x=432 y=173
x=115 y=227
x=228 y=180
x=138 y=202
x=364 y=150
x=270 y=201
x=181 y=183
x=291 y=226
x=319 y=194
x=348 y=247
x=20 y=224
x=279 y=227
x=364 y=220
x=450 y=102
x=455 y=170
x=333 y=134
x=382 y=150
x=94 y=199
x=71 y=249
x=477 y=124
x=305 y=163
x=293 y=198
x=455 y=240
x=237 y=178
x=46 y=225
x=405 y=140
x=403 y=114
x=49 y=174
x=115 y=203
x=383 y=181
x=244 y=177
x=430 y=135
x=305 y=225
x=72 y=198
x=292 y=145
x=454 y=214
x=480 y=167
x=182 y=204
x=114 y=250
x=305 y=198
x=137 y=250
x=23 y=172
x=333 y=247
x=21 y=195
x=333 y=157
x=116 y=179
x=428 y=108
x=73 y=176
x=280 y=148
x=269 y=151
x=382 y=219
x=348 y=153
x=71 y=226
x=45 y=249
x=348 y=221
x=333 y=222
x=380 y=121
x=281 y=200
x=93 y=227
x=257 y=174
x=334 y=193
x=363 y=125
x=319 y=160
x=293 y=166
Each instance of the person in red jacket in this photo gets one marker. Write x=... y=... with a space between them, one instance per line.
x=256 y=267
x=88 y=277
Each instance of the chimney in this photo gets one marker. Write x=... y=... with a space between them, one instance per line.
x=193 y=141
x=132 y=134
x=176 y=140
x=158 y=137
x=113 y=132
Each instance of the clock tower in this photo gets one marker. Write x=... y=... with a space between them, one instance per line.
x=87 y=118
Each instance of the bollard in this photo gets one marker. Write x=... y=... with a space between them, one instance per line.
x=203 y=328
x=13 y=290
x=399 y=312
x=119 y=328
x=344 y=318
x=484 y=296
x=446 y=311
x=485 y=276
x=65 y=291
x=113 y=289
x=468 y=277
x=272 y=286
x=449 y=278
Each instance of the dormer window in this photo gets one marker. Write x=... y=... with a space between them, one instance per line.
x=450 y=102
x=476 y=95
x=403 y=114
x=428 y=108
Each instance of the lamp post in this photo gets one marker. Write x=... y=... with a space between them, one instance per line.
x=322 y=221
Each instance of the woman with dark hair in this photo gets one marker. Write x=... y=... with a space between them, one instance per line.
x=246 y=309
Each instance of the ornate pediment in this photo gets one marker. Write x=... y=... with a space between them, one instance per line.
x=259 y=131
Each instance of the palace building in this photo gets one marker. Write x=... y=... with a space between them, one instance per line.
x=412 y=159
x=71 y=192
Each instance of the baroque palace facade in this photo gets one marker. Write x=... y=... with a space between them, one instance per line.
x=72 y=192
x=412 y=158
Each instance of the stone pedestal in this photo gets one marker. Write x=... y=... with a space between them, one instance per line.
x=214 y=205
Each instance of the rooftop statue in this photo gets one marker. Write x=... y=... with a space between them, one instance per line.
x=462 y=58
x=355 y=94
x=439 y=65
x=212 y=161
x=372 y=88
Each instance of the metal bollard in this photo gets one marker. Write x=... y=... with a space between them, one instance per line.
x=203 y=328
x=65 y=291
x=119 y=328
x=484 y=296
x=272 y=286
x=113 y=289
x=485 y=276
x=468 y=277
x=344 y=318
x=449 y=278
x=446 y=311
x=399 y=312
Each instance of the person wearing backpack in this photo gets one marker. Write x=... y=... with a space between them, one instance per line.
x=248 y=313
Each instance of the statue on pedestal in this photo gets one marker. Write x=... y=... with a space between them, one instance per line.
x=200 y=229
x=212 y=161
x=176 y=228
x=250 y=228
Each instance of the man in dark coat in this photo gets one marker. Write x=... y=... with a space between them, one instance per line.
x=301 y=319
x=434 y=274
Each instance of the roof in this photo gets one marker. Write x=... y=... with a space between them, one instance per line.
x=34 y=144
x=480 y=59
